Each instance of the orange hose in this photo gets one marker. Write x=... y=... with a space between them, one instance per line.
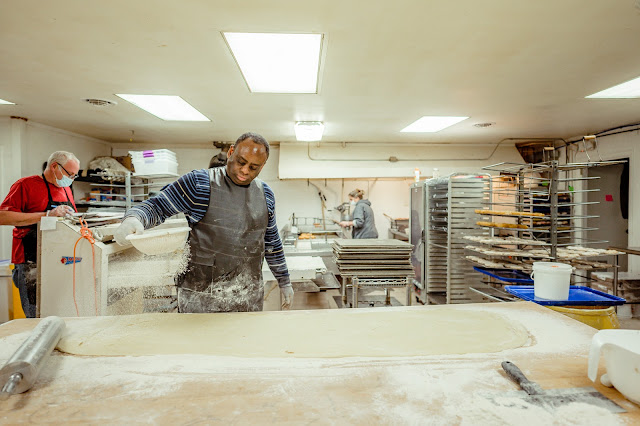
x=85 y=233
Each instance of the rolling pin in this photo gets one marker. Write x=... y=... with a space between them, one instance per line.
x=21 y=371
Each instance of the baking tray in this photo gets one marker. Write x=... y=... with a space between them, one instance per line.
x=506 y=275
x=578 y=295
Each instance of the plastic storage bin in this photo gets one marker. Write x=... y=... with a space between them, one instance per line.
x=157 y=154
x=156 y=167
x=154 y=162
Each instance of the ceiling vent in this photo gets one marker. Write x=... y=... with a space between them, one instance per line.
x=483 y=125
x=100 y=102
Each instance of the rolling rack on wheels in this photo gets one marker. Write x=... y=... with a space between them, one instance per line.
x=442 y=214
x=538 y=213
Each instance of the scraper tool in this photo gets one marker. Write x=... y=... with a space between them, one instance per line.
x=553 y=398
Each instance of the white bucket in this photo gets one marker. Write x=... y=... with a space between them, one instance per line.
x=551 y=280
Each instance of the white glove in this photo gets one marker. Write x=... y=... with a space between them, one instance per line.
x=60 y=211
x=287 y=296
x=130 y=225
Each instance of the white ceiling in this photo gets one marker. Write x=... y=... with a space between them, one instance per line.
x=525 y=65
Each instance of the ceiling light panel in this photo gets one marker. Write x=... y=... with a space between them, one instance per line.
x=166 y=107
x=3 y=102
x=309 y=131
x=630 y=89
x=277 y=63
x=431 y=124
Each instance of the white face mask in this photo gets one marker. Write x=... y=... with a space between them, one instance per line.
x=352 y=202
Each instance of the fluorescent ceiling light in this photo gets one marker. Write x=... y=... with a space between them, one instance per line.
x=277 y=63
x=630 y=89
x=3 y=102
x=309 y=131
x=429 y=124
x=166 y=107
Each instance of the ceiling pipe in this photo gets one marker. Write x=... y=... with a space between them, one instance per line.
x=394 y=159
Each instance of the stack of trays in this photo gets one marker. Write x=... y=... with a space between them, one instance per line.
x=373 y=258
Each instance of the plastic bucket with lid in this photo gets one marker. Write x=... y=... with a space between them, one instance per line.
x=551 y=280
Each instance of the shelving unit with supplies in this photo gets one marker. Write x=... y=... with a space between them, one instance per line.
x=538 y=214
x=124 y=190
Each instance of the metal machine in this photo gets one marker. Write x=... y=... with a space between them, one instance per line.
x=102 y=277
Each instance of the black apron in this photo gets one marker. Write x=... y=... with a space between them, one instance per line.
x=227 y=250
x=30 y=240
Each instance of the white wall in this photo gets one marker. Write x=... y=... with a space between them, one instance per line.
x=25 y=145
x=387 y=194
x=623 y=145
x=363 y=160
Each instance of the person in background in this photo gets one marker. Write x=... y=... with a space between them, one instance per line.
x=29 y=199
x=220 y=159
x=233 y=228
x=362 y=220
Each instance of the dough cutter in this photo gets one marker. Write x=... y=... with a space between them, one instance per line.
x=550 y=399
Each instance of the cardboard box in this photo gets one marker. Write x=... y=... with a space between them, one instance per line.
x=126 y=161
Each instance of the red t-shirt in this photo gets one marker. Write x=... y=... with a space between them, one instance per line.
x=29 y=195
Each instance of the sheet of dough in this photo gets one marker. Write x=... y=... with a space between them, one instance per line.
x=306 y=334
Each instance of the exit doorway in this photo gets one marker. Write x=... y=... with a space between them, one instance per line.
x=613 y=207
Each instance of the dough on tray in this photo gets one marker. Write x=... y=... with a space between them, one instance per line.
x=303 y=334
x=501 y=225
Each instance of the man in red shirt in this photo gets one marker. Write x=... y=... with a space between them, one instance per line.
x=28 y=200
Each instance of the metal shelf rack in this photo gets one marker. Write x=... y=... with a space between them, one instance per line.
x=131 y=188
x=546 y=189
x=451 y=202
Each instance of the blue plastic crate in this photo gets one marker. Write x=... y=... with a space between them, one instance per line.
x=506 y=275
x=578 y=296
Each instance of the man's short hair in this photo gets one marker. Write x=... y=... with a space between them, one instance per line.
x=61 y=157
x=255 y=138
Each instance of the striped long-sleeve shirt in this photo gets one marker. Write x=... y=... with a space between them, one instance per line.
x=190 y=195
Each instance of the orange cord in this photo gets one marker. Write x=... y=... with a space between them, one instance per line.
x=85 y=233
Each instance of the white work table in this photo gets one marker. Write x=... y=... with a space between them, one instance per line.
x=199 y=389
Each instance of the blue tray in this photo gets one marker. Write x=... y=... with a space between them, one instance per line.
x=506 y=275
x=578 y=295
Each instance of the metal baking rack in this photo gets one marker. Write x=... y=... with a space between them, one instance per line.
x=450 y=216
x=556 y=196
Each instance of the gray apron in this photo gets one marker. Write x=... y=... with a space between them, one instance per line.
x=227 y=250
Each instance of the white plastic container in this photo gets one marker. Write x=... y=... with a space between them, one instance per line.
x=155 y=167
x=156 y=154
x=621 y=352
x=551 y=280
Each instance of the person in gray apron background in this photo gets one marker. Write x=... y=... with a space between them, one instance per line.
x=362 y=220
x=29 y=199
x=233 y=229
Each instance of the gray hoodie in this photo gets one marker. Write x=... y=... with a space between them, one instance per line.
x=364 y=225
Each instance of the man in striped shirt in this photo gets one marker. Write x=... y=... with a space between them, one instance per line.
x=233 y=228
